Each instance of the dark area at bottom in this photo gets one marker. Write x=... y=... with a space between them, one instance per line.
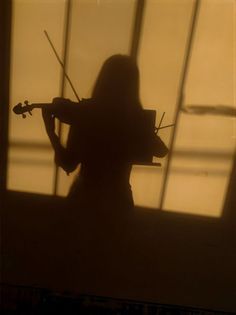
x=29 y=300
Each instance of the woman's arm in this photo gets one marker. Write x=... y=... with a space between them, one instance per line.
x=63 y=157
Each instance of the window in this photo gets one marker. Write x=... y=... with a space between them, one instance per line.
x=196 y=177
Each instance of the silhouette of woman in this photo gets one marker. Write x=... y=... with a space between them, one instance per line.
x=105 y=135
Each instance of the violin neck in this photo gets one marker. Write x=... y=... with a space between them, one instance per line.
x=39 y=105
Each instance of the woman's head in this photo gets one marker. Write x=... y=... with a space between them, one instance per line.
x=118 y=82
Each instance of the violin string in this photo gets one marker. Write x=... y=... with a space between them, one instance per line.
x=61 y=63
x=167 y=126
x=162 y=117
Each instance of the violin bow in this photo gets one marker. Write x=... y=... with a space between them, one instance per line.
x=62 y=64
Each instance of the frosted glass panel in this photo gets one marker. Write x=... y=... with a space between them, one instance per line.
x=165 y=29
x=35 y=76
x=31 y=167
x=211 y=77
x=201 y=165
x=203 y=151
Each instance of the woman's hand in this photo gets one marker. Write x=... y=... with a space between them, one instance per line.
x=65 y=110
x=63 y=157
x=49 y=121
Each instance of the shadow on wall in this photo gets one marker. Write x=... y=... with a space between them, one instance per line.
x=96 y=241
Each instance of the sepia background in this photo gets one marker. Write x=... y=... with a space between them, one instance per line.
x=203 y=148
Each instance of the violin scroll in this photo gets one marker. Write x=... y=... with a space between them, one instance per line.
x=19 y=109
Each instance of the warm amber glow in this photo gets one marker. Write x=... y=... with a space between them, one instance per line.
x=204 y=146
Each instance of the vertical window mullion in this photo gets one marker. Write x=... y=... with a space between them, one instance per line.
x=137 y=28
x=5 y=38
x=62 y=87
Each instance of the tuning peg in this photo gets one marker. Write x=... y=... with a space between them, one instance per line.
x=23 y=116
x=30 y=112
x=26 y=102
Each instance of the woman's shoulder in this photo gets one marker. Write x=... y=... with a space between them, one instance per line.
x=87 y=102
x=89 y=106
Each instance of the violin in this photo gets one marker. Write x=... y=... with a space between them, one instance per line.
x=63 y=109
x=20 y=109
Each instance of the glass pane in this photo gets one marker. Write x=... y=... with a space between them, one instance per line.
x=35 y=76
x=203 y=151
x=166 y=26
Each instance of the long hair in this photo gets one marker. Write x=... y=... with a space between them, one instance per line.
x=118 y=83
